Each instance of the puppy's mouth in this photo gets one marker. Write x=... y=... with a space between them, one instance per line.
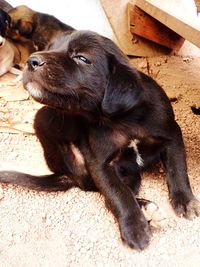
x=45 y=97
x=35 y=90
x=40 y=94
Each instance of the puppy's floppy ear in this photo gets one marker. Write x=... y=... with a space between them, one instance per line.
x=123 y=90
x=25 y=28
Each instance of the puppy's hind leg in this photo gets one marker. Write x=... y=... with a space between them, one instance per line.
x=128 y=170
x=57 y=134
x=153 y=213
x=56 y=137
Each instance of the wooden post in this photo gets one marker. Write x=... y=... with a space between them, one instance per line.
x=147 y=27
x=179 y=16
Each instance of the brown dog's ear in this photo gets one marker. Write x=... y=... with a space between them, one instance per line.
x=25 y=28
x=123 y=91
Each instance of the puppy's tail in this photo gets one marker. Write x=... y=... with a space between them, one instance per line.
x=48 y=183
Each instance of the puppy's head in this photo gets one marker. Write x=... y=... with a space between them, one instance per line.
x=21 y=25
x=84 y=72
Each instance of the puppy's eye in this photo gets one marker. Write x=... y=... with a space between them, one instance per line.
x=82 y=58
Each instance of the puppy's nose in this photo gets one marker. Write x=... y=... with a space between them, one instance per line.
x=35 y=62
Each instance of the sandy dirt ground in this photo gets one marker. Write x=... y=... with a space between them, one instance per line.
x=73 y=228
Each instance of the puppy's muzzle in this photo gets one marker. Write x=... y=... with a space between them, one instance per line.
x=35 y=62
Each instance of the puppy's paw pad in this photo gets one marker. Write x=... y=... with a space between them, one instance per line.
x=193 y=209
x=154 y=215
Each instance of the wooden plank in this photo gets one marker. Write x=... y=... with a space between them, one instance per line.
x=117 y=14
x=146 y=26
x=173 y=14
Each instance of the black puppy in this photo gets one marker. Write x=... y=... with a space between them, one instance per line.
x=103 y=123
x=35 y=29
x=4 y=17
x=4 y=22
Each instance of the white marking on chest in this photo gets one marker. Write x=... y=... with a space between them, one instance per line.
x=78 y=155
x=133 y=144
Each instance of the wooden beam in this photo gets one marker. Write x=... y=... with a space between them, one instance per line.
x=117 y=14
x=176 y=15
x=146 y=26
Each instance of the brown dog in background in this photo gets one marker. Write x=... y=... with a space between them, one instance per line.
x=36 y=29
x=11 y=53
x=8 y=53
x=26 y=31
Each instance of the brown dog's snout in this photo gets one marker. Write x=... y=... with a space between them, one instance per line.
x=34 y=62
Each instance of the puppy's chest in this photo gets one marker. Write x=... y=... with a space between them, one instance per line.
x=134 y=145
x=143 y=149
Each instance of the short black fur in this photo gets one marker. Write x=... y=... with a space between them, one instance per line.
x=103 y=123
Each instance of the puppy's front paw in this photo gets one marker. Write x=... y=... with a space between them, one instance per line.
x=135 y=232
x=193 y=209
x=184 y=207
